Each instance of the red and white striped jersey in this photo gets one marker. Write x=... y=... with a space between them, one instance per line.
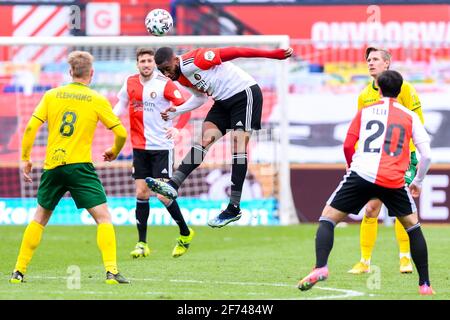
x=204 y=70
x=384 y=130
x=145 y=102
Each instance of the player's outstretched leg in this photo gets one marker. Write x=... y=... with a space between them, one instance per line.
x=368 y=236
x=403 y=243
x=240 y=139
x=162 y=188
x=142 y=213
x=186 y=233
x=324 y=244
x=30 y=241
x=419 y=253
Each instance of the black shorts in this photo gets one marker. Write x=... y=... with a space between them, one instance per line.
x=152 y=163
x=242 y=111
x=354 y=192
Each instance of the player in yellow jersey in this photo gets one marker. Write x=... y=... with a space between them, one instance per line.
x=378 y=60
x=72 y=112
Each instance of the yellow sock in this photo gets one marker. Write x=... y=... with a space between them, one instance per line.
x=106 y=240
x=368 y=236
x=31 y=239
x=402 y=237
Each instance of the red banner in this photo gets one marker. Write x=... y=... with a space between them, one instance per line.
x=351 y=24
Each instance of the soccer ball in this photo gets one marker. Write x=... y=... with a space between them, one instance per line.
x=158 y=22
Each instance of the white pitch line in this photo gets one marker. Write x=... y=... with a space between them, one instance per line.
x=346 y=293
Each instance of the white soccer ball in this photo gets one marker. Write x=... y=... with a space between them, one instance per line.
x=158 y=22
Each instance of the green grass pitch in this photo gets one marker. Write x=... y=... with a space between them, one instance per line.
x=245 y=263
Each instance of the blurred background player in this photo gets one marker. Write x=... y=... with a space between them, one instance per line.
x=72 y=112
x=237 y=107
x=146 y=95
x=377 y=170
x=379 y=60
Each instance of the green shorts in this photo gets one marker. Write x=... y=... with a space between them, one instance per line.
x=80 y=179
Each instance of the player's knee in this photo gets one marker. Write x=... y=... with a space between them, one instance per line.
x=409 y=220
x=100 y=213
x=208 y=140
x=370 y=213
x=332 y=214
x=42 y=216
x=142 y=193
x=372 y=210
x=240 y=139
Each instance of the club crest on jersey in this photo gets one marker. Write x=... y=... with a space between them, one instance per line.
x=153 y=95
x=197 y=76
x=177 y=94
x=209 y=55
x=59 y=156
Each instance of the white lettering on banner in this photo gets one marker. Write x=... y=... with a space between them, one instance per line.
x=123 y=216
x=120 y=215
x=18 y=215
x=392 y=34
x=430 y=197
x=159 y=216
x=86 y=218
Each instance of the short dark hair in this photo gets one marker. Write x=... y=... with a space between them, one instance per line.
x=163 y=54
x=142 y=51
x=390 y=83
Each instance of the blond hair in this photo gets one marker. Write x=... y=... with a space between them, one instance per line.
x=386 y=55
x=80 y=63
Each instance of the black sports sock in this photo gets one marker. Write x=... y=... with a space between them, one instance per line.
x=176 y=214
x=233 y=209
x=324 y=242
x=419 y=253
x=190 y=162
x=238 y=173
x=142 y=213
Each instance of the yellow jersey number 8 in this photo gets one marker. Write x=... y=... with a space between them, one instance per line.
x=67 y=125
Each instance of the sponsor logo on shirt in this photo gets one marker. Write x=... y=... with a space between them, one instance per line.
x=139 y=106
x=153 y=95
x=197 y=76
x=177 y=94
x=203 y=86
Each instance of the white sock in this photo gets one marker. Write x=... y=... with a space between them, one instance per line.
x=408 y=255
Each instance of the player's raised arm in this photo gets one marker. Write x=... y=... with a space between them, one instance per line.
x=195 y=101
x=230 y=53
x=174 y=95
